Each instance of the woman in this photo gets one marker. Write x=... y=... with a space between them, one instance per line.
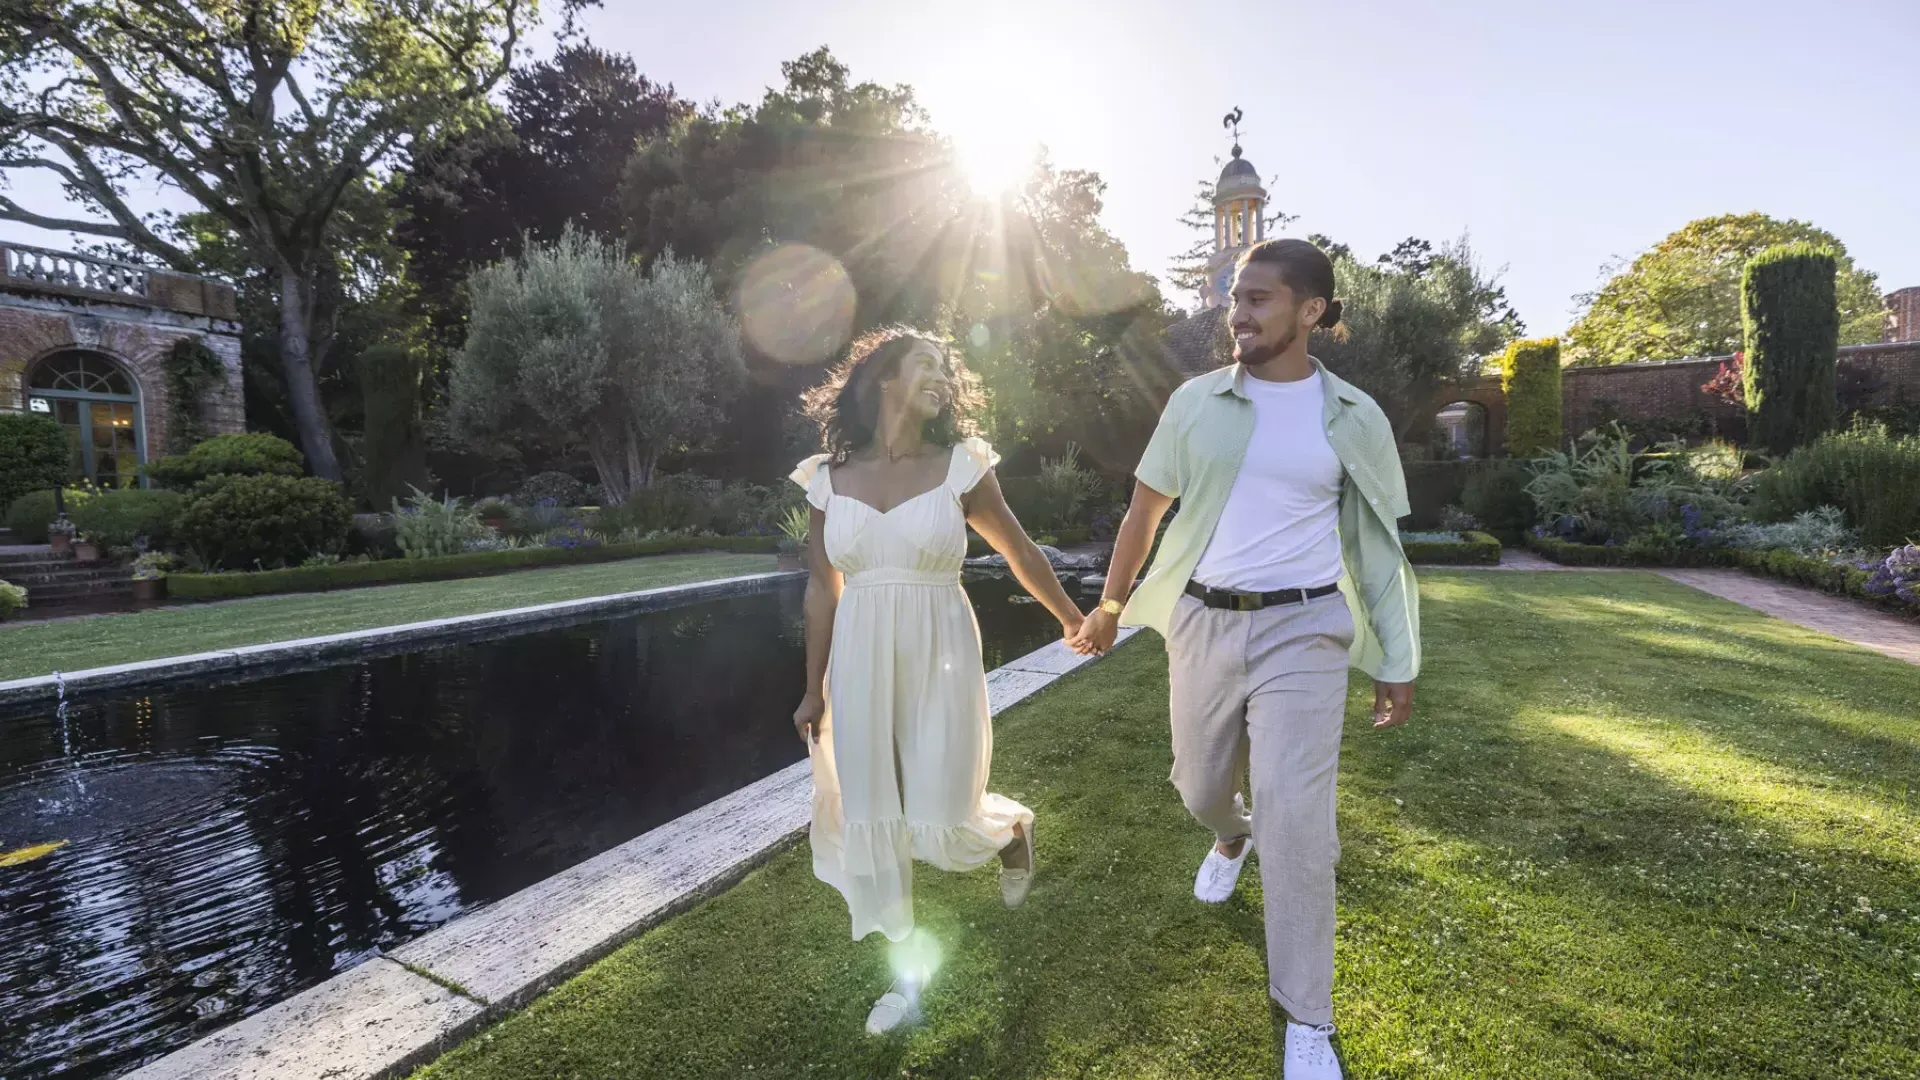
x=895 y=714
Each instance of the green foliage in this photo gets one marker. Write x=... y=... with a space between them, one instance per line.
x=1653 y=549
x=795 y=529
x=577 y=339
x=395 y=571
x=33 y=454
x=153 y=565
x=1415 y=326
x=394 y=450
x=1812 y=533
x=1682 y=298
x=1061 y=497
x=1530 y=377
x=1792 y=332
x=665 y=508
x=118 y=517
x=1874 y=477
x=1603 y=492
x=1498 y=498
x=1470 y=549
x=227 y=455
x=12 y=599
x=426 y=527
x=264 y=520
x=29 y=515
x=192 y=370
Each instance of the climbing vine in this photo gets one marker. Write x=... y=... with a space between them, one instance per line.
x=191 y=369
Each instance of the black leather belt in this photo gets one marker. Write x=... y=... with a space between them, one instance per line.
x=1228 y=600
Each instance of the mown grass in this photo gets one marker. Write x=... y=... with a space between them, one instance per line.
x=28 y=649
x=1634 y=832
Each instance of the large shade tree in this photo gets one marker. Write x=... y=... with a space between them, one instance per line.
x=836 y=204
x=1682 y=298
x=268 y=115
x=578 y=338
x=570 y=126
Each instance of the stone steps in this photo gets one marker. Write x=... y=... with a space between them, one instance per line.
x=58 y=581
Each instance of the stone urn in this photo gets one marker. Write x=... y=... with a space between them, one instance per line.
x=149 y=590
x=61 y=543
x=86 y=551
x=790 y=561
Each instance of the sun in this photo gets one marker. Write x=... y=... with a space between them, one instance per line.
x=995 y=163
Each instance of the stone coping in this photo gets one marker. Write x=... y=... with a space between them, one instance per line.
x=257 y=661
x=396 y=1012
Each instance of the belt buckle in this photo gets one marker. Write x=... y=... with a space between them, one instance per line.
x=1248 y=601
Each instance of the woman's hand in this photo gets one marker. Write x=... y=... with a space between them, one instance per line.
x=1097 y=633
x=810 y=719
x=1070 y=632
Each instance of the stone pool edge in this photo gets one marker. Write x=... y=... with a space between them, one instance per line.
x=332 y=648
x=397 y=1012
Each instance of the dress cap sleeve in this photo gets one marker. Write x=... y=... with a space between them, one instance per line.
x=814 y=474
x=973 y=458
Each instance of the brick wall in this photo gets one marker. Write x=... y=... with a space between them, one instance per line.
x=140 y=339
x=1670 y=389
x=1903 y=315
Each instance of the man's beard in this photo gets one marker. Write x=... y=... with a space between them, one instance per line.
x=1255 y=355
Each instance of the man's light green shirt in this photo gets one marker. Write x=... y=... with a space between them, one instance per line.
x=1195 y=457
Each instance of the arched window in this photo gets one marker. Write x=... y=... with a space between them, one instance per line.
x=98 y=404
x=1463 y=428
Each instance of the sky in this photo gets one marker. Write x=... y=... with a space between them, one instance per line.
x=1558 y=136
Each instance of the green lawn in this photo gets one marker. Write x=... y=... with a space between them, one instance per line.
x=28 y=649
x=1635 y=832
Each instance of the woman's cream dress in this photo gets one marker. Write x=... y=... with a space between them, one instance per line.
x=902 y=774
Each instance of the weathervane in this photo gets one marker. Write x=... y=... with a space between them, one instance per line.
x=1232 y=121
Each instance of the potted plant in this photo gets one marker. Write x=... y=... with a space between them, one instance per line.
x=150 y=577
x=792 y=544
x=60 y=535
x=494 y=513
x=12 y=599
x=86 y=549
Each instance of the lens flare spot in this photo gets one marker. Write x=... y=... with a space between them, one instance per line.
x=979 y=335
x=916 y=958
x=797 y=304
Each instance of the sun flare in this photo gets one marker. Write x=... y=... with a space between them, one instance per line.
x=994 y=163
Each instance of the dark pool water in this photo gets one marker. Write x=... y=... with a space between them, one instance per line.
x=229 y=846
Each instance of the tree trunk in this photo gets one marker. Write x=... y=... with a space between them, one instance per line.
x=610 y=464
x=316 y=439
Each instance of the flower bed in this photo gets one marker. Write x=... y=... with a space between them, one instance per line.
x=1469 y=548
x=439 y=568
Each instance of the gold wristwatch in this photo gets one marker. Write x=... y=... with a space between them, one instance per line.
x=1111 y=606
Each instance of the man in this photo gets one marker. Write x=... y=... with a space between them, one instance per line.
x=1290 y=489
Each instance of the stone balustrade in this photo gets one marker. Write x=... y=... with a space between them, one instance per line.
x=64 y=273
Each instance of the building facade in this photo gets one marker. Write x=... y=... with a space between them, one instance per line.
x=89 y=341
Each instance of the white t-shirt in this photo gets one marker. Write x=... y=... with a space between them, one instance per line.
x=1281 y=525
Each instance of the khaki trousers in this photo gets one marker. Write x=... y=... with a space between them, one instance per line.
x=1263 y=693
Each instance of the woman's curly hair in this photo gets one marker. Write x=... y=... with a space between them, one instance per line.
x=847 y=405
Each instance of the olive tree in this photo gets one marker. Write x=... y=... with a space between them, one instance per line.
x=580 y=339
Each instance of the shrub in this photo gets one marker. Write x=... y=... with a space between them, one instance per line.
x=1791 y=317
x=394 y=451
x=1871 y=475
x=426 y=527
x=124 y=517
x=1498 y=497
x=671 y=506
x=264 y=520
x=29 y=515
x=228 y=455
x=1060 y=498
x=1455 y=520
x=1811 y=533
x=1602 y=492
x=33 y=455
x=561 y=487
x=795 y=528
x=529 y=520
x=1530 y=377
x=12 y=598
x=152 y=565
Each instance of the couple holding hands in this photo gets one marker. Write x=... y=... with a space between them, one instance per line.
x=1281 y=569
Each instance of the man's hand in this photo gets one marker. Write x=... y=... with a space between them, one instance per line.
x=1392 y=704
x=1096 y=633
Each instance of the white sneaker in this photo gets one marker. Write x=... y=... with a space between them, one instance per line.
x=1219 y=874
x=1310 y=1053
x=900 y=1005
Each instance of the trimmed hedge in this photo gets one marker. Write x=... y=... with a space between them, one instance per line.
x=446 y=567
x=1476 y=549
x=117 y=517
x=252 y=454
x=1530 y=377
x=1568 y=553
x=1792 y=323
